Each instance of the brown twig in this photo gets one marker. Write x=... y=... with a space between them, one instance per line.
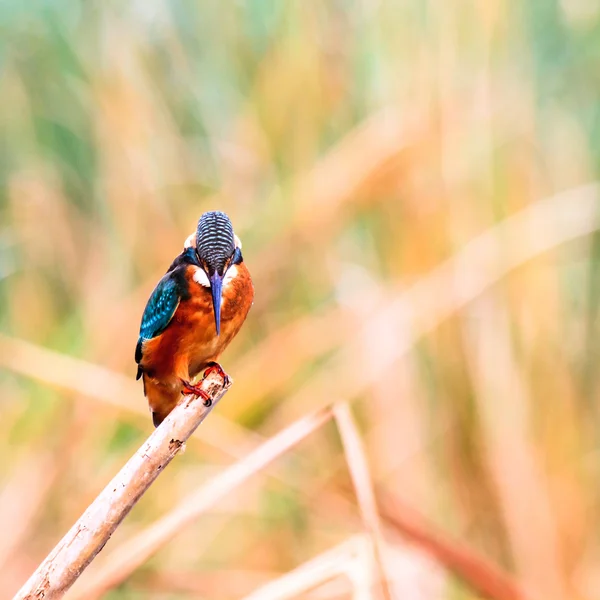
x=90 y=533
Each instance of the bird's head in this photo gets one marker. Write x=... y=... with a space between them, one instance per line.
x=218 y=248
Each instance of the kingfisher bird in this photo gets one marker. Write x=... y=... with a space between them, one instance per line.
x=195 y=310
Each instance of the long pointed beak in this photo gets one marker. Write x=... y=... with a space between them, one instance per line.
x=216 y=287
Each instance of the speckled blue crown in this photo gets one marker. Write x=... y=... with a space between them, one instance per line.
x=214 y=240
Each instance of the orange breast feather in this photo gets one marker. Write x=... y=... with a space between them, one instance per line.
x=190 y=341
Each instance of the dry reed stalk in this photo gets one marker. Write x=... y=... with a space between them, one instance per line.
x=350 y=558
x=30 y=491
x=87 y=537
x=381 y=141
x=395 y=327
x=128 y=557
x=474 y=570
x=482 y=575
x=104 y=385
x=305 y=339
x=399 y=436
x=424 y=536
x=509 y=451
x=358 y=466
x=369 y=150
x=538 y=228
x=231 y=583
x=22 y=496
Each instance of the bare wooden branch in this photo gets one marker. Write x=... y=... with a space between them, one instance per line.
x=90 y=533
x=133 y=553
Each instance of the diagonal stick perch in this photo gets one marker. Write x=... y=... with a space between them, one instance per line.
x=133 y=553
x=93 y=529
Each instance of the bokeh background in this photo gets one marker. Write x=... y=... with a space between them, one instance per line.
x=359 y=148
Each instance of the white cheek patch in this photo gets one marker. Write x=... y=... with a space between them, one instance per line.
x=230 y=275
x=190 y=241
x=201 y=278
x=238 y=242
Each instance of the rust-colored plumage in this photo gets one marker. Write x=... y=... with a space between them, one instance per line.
x=178 y=336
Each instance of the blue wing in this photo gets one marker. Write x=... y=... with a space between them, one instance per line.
x=160 y=308
x=159 y=311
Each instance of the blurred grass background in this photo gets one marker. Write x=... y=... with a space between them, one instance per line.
x=356 y=146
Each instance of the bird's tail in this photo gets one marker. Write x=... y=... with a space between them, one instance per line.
x=162 y=399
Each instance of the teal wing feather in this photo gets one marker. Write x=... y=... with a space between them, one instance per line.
x=158 y=313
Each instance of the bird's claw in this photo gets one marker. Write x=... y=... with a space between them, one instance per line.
x=196 y=390
x=215 y=366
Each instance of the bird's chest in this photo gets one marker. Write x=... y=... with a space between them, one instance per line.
x=198 y=320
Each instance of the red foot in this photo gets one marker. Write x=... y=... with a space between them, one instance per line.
x=215 y=366
x=196 y=390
